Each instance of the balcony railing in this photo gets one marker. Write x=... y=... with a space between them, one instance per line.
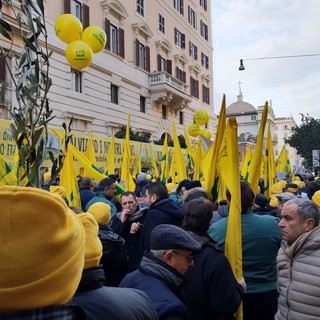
x=157 y=78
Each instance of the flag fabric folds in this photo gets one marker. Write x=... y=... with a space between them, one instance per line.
x=110 y=158
x=246 y=163
x=153 y=162
x=283 y=162
x=180 y=162
x=164 y=160
x=7 y=177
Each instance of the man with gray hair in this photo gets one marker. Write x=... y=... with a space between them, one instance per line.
x=298 y=261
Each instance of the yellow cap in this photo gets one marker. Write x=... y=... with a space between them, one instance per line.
x=273 y=202
x=101 y=212
x=60 y=190
x=276 y=188
x=316 y=198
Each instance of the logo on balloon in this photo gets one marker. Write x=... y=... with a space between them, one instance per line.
x=201 y=117
x=194 y=130
x=81 y=45
x=206 y=133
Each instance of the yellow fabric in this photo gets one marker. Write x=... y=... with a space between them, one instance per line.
x=273 y=202
x=283 y=162
x=170 y=186
x=296 y=178
x=90 y=154
x=164 y=160
x=299 y=183
x=316 y=198
x=47 y=176
x=255 y=165
x=283 y=183
x=42 y=249
x=246 y=162
x=276 y=188
x=101 y=212
x=60 y=190
x=93 y=247
x=180 y=162
x=7 y=177
x=153 y=162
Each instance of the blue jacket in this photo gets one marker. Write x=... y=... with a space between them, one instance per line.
x=164 y=296
x=261 y=239
x=163 y=211
x=85 y=196
x=101 y=197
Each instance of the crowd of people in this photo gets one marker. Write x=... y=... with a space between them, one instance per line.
x=158 y=253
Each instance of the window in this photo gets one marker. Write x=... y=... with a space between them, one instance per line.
x=205 y=94
x=115 y=38
x=181 y=119
x=204 y=61
x=277 y=152
x=203 y=4
x=140 y=7
x=162 y=24
x=194 y=87
x=142 y=104
x=114 y=94
x=164 y=64
x=191 y=17
x=179 y=38
x=76 y=81
x=180 y=75
x=164 y=112
x=253 y=117
x=178 y=5
x=142 y=56
x=204 y=30
x=285 y=127
x=79 y=9
x=193 y=51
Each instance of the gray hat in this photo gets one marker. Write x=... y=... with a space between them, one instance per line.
x=168 y=236
x=285 y=196
x=141 y=176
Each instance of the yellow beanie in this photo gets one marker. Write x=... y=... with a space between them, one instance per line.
x=316 y=198
x=60 y=190
x=273 y=202
x=47 y=176
x=299 y=183
x=170 y=186
x=276 y=188
x=93 y=251
x=296 y=178
x=283 y=183
x=101 y=212
x=41 y=251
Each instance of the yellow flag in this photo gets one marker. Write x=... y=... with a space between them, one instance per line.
x=164 y=160
x=190 y=154
x=283 y=162
x=153 y=162
x=209 y=161
x=180 y=162
x=173 y=170
x=126 y=160
x=254 y=170
x=68 y=180
x=7 y=177
x=229 y=172
x=139 y=160
x=110 y=158
x=197 y=161
x=246 y=162
x=270 y=174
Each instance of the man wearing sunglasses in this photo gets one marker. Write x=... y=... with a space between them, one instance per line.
x=160 y=274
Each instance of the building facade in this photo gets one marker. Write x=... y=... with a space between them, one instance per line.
x=156 y=66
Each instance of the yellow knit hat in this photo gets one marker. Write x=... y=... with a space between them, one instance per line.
x=316 y=198
x=299 y=183
x=296 y=178
x=283 y=183
x=101 y=212
x=93 y=251
x=42 y=249
x=273 y=202
x=276 y=188
x=60 y=190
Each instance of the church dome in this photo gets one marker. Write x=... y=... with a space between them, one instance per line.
x=240 y=107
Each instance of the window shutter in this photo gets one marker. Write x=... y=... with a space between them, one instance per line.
x=85 y=16
x=169 y=66
x=121 y=43
x=191 y=86
x=181 y=7
x=2 y=68
x=175 y=36
x=137 y=53
x=67 y=6
x=197 y=88
x=183 y=40
x=159 y=63
x=196 y=52
x=107 y=30
x=147 y=58
x=184 y=77
x=203 y=93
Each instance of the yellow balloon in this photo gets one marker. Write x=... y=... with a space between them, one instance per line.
x=206 y=133
x=79 y=54
x=95 y=38
x=201 y=117
x=68 y=28
x=194 y=130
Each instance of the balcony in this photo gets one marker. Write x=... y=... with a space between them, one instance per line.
x=169 y=91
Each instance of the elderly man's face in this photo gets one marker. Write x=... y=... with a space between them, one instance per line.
x=180 y=260
x=291 y=225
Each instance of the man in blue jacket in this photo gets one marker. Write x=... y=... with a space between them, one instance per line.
x=160 y=274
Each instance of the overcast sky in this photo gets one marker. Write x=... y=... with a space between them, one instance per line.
x=248 y=29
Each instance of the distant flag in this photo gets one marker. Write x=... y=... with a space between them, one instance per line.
x=7 y=177
x=229 y=173
x=126 y=161
x=270 y=174
x=254 y=170
x=246 y=162
x=173 y=169
x=139 y=160
x=68 y=180
x=164 y=160
x=110 y=158
x=283 y=162
x=190 y=154
x=180 y=162
x=153 y=162
x=197 y=161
